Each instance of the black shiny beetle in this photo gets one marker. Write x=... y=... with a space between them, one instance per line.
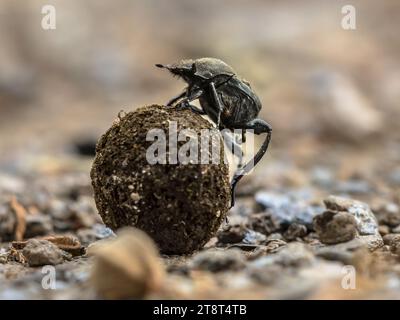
x=228 y=100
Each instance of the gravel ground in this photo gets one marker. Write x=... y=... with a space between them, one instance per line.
x=292 y=234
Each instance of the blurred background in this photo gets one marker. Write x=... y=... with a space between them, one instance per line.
x=331 y=95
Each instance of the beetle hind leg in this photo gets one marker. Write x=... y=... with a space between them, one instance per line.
x=259 y=126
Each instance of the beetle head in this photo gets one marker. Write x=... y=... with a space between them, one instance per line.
x=186 y=69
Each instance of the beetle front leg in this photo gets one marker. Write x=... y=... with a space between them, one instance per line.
x=186 y=105
x=259 y=126
x=177 y=98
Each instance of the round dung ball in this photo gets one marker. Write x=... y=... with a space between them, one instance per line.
x=136 y=182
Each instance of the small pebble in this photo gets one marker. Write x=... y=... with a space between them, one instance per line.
x=42 y=252
x=231 y=234
x=253 y=237
x=335 y=227
x=390 y=238
x=126 y=267
x=388 y=214
x=295 y=231
x=365 y=219
x=383 y=230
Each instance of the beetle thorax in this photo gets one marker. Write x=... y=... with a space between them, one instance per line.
x=207 y=68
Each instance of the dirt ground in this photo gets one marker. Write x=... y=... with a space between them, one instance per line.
x=331 y=95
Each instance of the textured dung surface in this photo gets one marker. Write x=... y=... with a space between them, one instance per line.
x=179 y=206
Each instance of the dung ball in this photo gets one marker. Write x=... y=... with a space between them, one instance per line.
x=162 y=170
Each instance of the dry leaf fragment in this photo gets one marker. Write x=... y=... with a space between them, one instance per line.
x=20 y=214
x=67 y=243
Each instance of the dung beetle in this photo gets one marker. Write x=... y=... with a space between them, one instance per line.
x=227 y=99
